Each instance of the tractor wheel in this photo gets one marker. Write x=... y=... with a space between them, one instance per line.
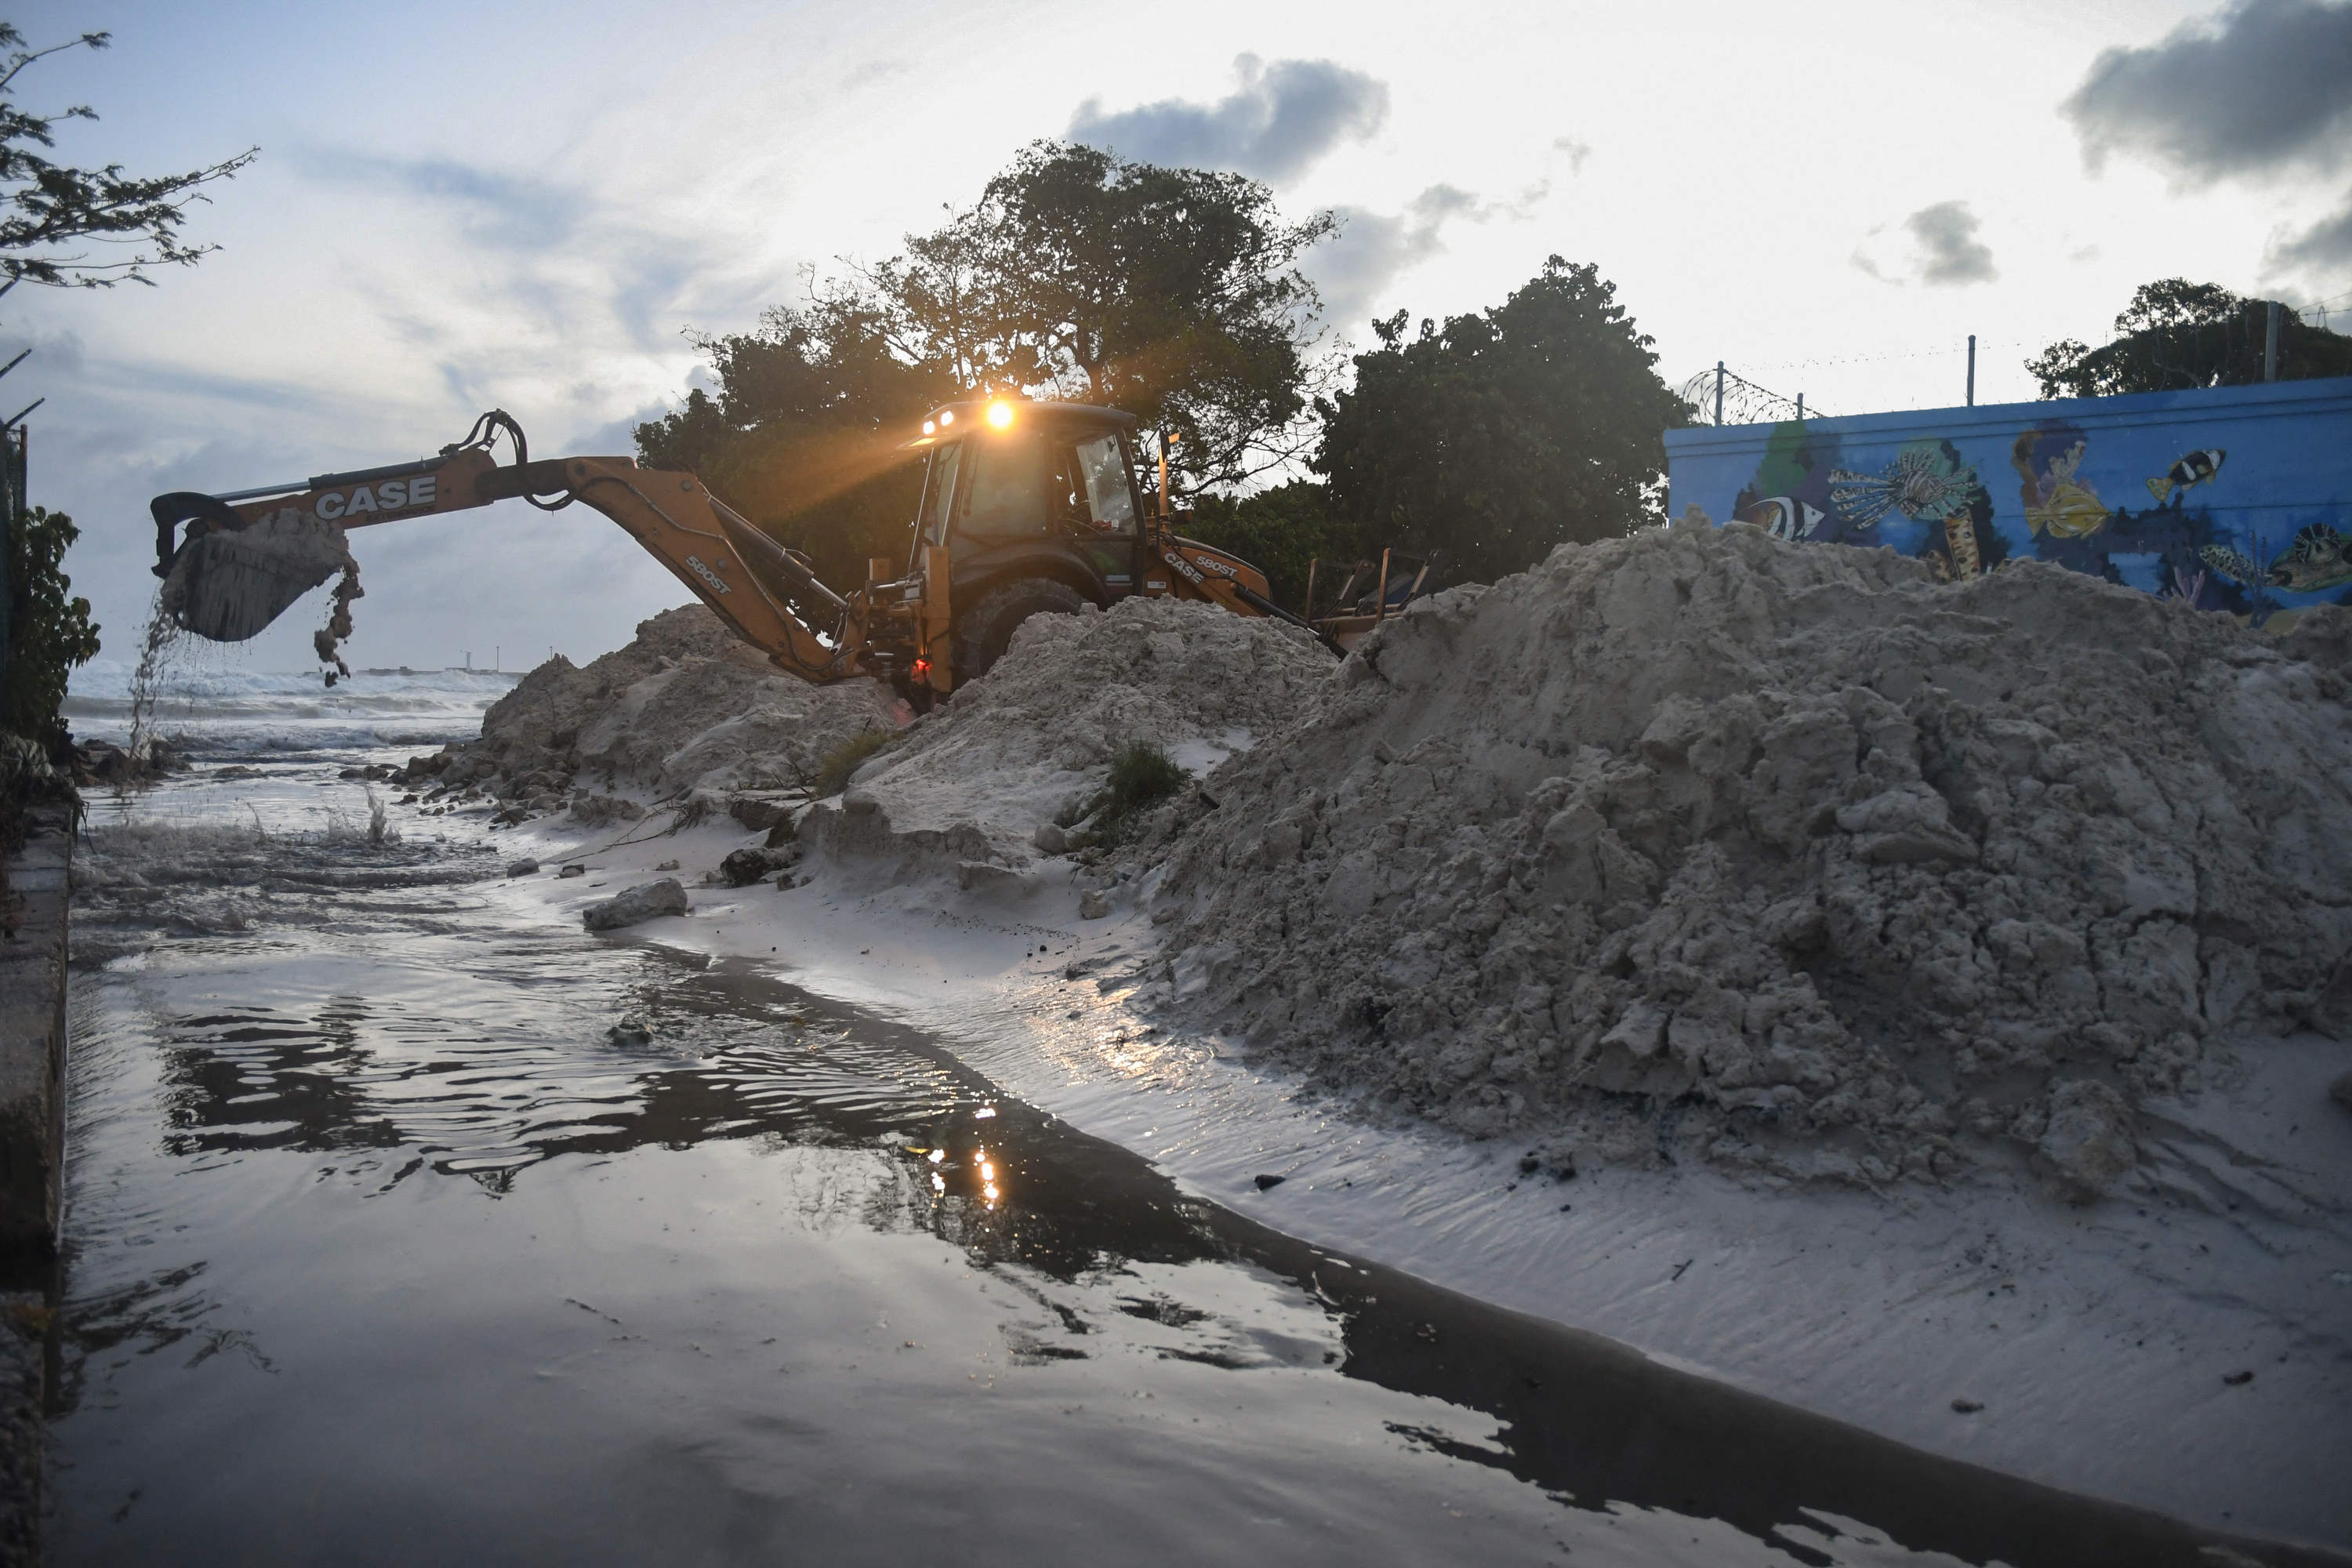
x=983 y=631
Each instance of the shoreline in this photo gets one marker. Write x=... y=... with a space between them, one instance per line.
x=2093 y=1339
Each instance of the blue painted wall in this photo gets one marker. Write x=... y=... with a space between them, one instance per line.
x=2238 y=498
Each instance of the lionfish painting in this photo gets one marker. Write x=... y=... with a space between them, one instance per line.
x=1921 y=483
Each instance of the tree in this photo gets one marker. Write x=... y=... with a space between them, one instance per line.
x=2176 y=334
x=46 y=208
x=1501 y=435
x=1173 y=293
x=802 y=438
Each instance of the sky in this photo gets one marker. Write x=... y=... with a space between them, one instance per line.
x=529 y=205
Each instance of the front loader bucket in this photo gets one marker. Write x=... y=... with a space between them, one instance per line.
x=228 y=585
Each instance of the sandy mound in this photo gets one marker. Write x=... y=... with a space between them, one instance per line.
x=1702 y=844
x=977 y=778
x=684 y=708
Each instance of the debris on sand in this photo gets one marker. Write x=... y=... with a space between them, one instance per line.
x=1698 y=845
x=685 y=711
x=647 y=901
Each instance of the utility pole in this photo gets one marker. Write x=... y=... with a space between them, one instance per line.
x=1801 y=408
x=2270 y=346
x=1718 y=391
x=1973 y=370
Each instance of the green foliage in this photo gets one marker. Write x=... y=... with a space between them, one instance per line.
x=801 y=438
x=1172 y=294
x=1280 y=532
x=2176 y=335
x=1499 y=436
x=46 y=207
x=833 y=773
x=48 y=634
x=1142 y=777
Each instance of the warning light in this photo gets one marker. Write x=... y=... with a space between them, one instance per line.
x=1000 y=413
x=922 y=667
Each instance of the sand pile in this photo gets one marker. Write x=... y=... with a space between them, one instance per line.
x=1700 y=844
x=973 y=781
x=686 y=709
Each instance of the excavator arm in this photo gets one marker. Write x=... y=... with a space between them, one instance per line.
x=765 y=593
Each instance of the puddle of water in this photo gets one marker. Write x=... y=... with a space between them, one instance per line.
x=382 y=1248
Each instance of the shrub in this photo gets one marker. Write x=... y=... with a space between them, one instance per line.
x=48 y=634
x=1142 y=777
x=833 y=773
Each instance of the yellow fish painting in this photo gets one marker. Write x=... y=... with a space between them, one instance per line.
x=2056 y=502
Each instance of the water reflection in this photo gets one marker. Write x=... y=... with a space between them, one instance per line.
x=435 y=1048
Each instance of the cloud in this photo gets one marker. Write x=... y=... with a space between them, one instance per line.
x=2260 y=87
x=503 y=210
x=1950 y=255
x=1372 y=249
x=1946 y=251
x=1578 y=152
x=1281 y=119
x=2324 y=246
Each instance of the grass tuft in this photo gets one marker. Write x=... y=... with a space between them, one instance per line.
x=833 y=773
x=1142 y=777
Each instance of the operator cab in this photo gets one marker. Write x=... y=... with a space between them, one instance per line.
x=1010 y=480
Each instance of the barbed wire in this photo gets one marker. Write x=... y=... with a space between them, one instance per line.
x=1744 y=402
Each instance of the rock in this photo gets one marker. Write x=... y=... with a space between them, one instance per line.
x=648 y=901
x=2340 y=1090
x=1265 y=1183
x=1092 y=906
x=582 y=870
x=602 y=810
x=631 y=1031
x=1967 y=1406
x=512 y=816
x=1051 y=840
x=2087 y=1141
x=763 y=812
x=666 y=866
x=522 y=867
x=2238 y=1379
x=744 y=867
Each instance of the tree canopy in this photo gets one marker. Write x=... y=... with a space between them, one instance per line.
x=1173 y=293
x=1498 y=436
x=801 y=438
x=48 y=209
x=2176 y=335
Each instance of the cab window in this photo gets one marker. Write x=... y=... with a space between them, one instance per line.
x=1008 y=488
x=939 y=493
x=1094 y=471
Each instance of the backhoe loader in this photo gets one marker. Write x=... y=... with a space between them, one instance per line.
x=1027 y=508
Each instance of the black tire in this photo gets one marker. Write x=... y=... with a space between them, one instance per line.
x=983 y=631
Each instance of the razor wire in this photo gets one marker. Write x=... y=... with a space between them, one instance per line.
x=1743 y=402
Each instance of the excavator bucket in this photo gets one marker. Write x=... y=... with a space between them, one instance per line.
x=229 y=585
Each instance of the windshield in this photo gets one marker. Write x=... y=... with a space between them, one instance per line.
x=1008 y=488
x=1100 y=494
x=938 y=494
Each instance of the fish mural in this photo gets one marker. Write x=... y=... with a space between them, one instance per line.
x=2249 y=514
x=2058 y=502
x=2316 y=562
x=1922 y=483
x=1784 y=517
x=2195 y=469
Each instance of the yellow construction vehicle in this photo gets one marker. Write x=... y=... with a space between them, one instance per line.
x=1027 y=508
